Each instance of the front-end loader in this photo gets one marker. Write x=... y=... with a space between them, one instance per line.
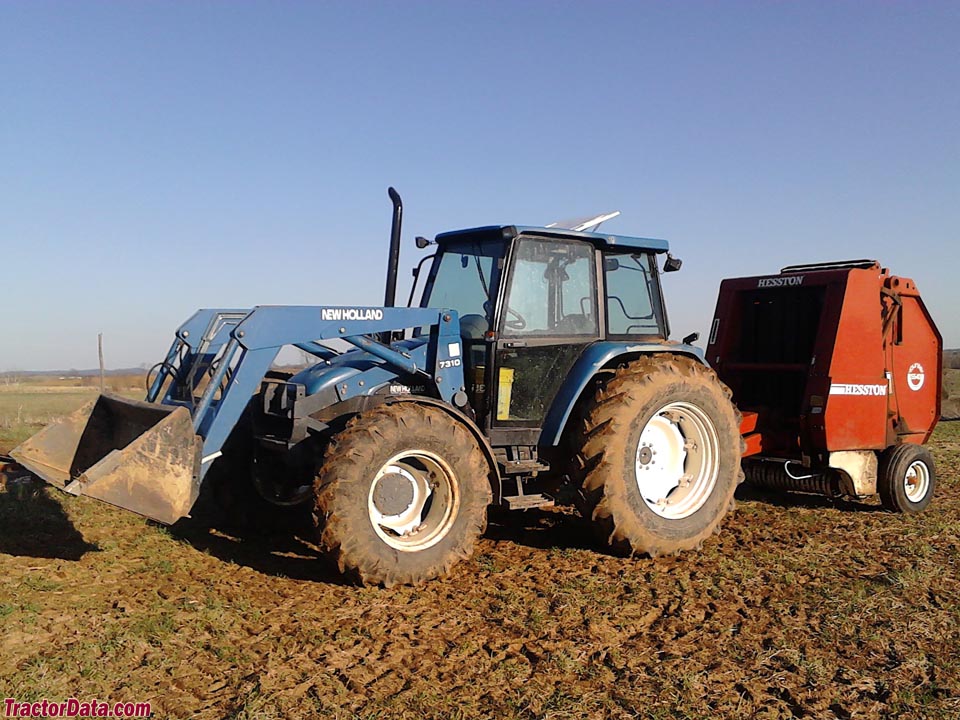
x=536 y=370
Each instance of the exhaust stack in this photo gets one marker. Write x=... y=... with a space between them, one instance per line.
x=393 y=262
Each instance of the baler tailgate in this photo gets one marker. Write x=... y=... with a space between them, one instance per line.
x=140 y=456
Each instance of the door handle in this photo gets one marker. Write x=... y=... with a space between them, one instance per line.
x=515 y=344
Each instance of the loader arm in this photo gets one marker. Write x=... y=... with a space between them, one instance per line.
x=151 y=456
x=256 y=340
x=197 y=343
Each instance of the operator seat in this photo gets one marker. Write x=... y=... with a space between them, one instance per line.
x=576 y=325
x=473 y=328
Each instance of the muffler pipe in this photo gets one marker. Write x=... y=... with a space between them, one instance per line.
x=393 y=263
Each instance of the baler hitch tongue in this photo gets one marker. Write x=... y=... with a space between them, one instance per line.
x=136 y=455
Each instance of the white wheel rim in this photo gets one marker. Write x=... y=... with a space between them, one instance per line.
x=413 y=500
x=916 y=481
x=678 y=460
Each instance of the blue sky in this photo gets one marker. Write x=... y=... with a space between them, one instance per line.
x=159 y=157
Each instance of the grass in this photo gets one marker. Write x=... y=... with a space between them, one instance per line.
x=29 y=403
x=951 y=390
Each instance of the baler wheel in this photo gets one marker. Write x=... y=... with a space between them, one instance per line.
x=659 y=456
x=906 y=478
x=402 y=495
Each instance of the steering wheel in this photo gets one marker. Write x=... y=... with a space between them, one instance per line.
x=518 y=324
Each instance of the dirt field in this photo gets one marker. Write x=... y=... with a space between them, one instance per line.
x=799 y=608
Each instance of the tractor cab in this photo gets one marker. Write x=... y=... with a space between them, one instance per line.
x=530 y=301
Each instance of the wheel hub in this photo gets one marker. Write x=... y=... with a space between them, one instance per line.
x=916 y=481
x=645 y=455
x=398 y=498
x=394 y=493
x=677 y=460
x=660 y=459
x=413 y=500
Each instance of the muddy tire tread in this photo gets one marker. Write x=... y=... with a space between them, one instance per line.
x=604 y=428
x=342 y=483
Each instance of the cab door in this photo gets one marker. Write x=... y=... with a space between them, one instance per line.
x=547 y=316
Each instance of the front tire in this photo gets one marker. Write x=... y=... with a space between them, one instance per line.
x=660 y=456
x=906 y=478
x=402 y=495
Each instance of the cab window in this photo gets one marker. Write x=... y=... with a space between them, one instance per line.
x=552 y=290
x=633 y=297
x=462 y=281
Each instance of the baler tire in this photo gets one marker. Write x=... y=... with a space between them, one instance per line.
x=402 y=440
x=609 y=460
x=896 y=465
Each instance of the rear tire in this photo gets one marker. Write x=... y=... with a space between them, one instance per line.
x=402 y=495
x=659 y=456
x=906 y=478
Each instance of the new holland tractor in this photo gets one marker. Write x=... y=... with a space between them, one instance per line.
x=536 y=370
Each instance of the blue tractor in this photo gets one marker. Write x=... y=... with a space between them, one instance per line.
x=536 y=370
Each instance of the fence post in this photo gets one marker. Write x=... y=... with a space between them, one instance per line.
x=100 y=352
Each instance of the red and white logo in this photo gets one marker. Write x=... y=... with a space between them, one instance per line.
x=915 y=376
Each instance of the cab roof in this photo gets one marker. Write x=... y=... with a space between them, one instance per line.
x=600 y=240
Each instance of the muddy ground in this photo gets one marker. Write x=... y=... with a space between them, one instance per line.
x=801 y=607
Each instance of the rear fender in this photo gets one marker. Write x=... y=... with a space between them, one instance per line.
x=595 y=358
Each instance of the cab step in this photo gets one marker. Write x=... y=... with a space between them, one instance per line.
x=522 y=467
x=527 y=502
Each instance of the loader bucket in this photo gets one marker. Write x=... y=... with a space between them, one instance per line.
x=136 y=455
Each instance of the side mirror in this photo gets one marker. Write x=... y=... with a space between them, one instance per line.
x=672 y=264
x=691 y=338
x=422 y=242
x=610 y=264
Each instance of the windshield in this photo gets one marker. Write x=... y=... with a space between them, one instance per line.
x=462 y=278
